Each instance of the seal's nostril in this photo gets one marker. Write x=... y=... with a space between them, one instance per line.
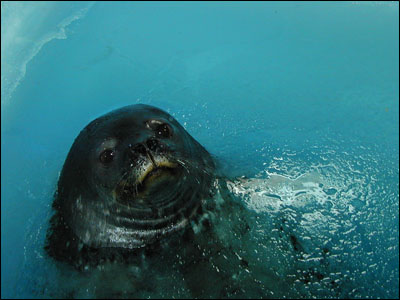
x=153 y=144
x=139 y=149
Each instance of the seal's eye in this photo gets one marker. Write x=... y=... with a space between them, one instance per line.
x=107 y=156
x=163 y=130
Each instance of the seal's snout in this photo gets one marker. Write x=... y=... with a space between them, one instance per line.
x=138 y=149
x=136 y=153
x=147 y=148
x=154 y=145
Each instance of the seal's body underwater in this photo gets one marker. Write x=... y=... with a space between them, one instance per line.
x=132 y=177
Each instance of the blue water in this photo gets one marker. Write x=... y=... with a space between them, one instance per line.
x=300 y=98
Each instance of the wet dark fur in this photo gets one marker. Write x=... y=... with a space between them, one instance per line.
x=61 y=241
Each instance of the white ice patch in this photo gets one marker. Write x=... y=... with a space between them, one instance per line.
x=25 y=28
x=276 y=191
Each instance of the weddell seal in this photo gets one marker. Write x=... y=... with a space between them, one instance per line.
x=132 y=177
x=141 y=202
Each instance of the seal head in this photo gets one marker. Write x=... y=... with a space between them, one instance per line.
x=132 y=177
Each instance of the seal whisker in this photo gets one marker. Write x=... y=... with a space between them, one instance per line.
x=182 y=164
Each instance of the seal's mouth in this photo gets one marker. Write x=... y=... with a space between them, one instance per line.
x=164 y=168
x=155 y=178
